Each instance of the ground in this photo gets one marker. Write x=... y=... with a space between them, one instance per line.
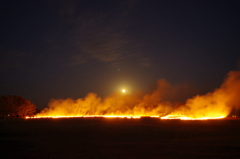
x=119 y=138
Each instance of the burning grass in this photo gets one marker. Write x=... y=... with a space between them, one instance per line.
x=213 y=105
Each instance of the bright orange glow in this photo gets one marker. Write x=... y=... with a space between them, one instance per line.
x=123 y=90
x=88 y=116
x=129 y=117
x=213 y=105
x=182 y=117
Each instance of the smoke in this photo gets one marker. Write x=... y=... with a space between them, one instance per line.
x=158 y=102
x=220 y=102
x=136 y=103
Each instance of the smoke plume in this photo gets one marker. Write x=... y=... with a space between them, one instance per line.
x=158 y=102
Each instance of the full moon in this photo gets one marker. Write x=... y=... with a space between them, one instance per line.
x=123 y=90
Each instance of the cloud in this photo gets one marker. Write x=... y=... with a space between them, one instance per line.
x=99 y=33
x=146 y=62
x=102 y=39
x=101 y=36
x=104 y=47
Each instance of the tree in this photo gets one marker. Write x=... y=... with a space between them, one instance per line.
x=15 y=107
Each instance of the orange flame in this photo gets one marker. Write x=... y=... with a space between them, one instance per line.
x=213 y=105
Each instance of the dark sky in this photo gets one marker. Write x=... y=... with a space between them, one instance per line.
x=61 y=49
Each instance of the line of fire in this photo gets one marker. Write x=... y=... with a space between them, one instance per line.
x=217 y=104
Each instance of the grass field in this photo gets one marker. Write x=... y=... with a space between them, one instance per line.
x=119 y=138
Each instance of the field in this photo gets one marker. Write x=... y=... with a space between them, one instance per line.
x=119 y=138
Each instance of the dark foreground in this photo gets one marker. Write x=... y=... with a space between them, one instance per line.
x=119 y=138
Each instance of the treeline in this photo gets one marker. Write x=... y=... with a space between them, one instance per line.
x=12 y=106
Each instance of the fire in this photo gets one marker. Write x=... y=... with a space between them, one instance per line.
x=88 y=116
x=155 y=104
x=182 y=117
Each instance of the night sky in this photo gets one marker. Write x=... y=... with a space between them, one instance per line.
x=66 y=49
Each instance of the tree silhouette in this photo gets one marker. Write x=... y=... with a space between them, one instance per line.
x=15 y=107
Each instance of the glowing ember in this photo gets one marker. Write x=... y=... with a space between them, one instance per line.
x=214 y=105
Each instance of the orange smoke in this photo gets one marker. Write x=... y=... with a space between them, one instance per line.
x=216 y=104
x=117 y=104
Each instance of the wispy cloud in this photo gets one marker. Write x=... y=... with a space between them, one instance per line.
x=101 y=36
x=96 y=33
x=146 y=62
